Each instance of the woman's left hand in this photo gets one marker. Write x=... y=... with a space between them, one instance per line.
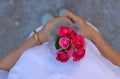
x=50 y=25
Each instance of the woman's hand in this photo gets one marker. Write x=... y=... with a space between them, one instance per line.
x=96 y=38
x=85 y=29
x=50 y=25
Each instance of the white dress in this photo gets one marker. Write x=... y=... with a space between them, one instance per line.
x=39 y=63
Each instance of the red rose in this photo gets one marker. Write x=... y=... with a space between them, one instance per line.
x=78 y=55
x=73 y=34
x=64 y=31
x=62 y=56
x=64 y=42
x=78 y=42
x=70 y=43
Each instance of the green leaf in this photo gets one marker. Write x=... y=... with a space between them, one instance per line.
x=57 y=43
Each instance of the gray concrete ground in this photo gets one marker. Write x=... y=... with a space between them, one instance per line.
x=18 y=18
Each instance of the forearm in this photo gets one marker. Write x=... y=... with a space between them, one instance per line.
x=9 y=60
x=105 y=49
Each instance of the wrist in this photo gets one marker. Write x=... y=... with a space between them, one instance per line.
x=94 y=36
x=42 y=37
x=37 y=38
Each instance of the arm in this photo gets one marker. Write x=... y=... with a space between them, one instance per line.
x=96 y=38
x=9 y=60
x=105 y=49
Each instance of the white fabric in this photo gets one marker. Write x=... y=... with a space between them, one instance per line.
x=3 y=74
x=39 y=63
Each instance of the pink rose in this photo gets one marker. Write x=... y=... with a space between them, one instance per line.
x=62 y=56
x=64 y=42
x=78 y=42
x=70 y=52
x=65 y=31
x=78 y=55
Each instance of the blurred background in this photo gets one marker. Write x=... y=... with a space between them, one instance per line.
x=18 y=18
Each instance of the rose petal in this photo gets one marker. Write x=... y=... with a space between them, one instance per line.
x=64 y=42
x=77 y=56
x=62 y=56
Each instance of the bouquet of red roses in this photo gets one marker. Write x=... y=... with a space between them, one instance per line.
x=69 y=44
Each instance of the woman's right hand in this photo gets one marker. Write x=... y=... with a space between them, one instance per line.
x=85 y=29
x=44 y=34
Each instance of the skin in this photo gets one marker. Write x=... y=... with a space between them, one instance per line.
x=10 y=60
x=86 y=30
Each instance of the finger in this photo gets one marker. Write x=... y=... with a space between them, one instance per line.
x=60 y=19
x=74 y=18
x=57 y=19
x=54 y=21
